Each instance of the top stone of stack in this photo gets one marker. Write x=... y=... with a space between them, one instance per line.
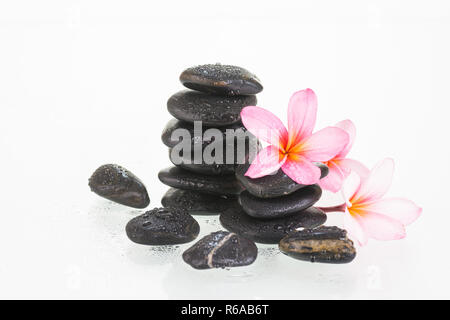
x=221 y=79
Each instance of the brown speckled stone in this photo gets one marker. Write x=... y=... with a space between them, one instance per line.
x=323 y=244
x=221 y=79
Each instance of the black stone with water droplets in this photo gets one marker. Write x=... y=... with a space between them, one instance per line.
x=282 y=206
x=272 y=185
x=221 y=249
x=196 y=138
x=176 y=177
x=270 y=231
x=221 y=79
x=196 y=202
x=163 y=226
x=322 y=244
x=212 y=110
x=117 y=184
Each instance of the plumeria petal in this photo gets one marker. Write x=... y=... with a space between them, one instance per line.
x=302 y=111
x=264 y=125
x=301 y=170
x=349 y=127
x=333 y=181
x=325 y=144
x=377 y=183
x=354 y=229
x=381 y=227
x=400 y=209
x=266 y=162
x=350 y=186
x=348 y=165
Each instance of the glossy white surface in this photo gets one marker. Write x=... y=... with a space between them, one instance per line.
x=83 y=83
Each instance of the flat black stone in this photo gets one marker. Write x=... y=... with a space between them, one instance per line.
x=182 y=179
x=178 y=158
x=163 y=226
x=212 y=110
x=269 y=208
x=274 y=185
x=221 y=79
x=196 y=202
x=221 y=249
x=208 y=169
x=270 y=231
x=117 y=184
x=200 y=142
x=196 y=137
x=323 y=244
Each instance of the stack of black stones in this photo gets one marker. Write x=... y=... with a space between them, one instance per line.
x=273 y=209
x=220 y=92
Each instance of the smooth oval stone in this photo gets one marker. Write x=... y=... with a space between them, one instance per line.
x=212 y=110
x=117 y=184
x=221 y=79
x=176 y=177
x=269 y=208
x=221 y=165
x=323 y=244
x=270 y=231
x=221 y=249
x=196 y=202
x=274 y=185
x=163 y=226
x=195 y=137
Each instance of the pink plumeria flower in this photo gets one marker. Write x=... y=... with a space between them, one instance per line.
x=368 y=215
x=340 y=167
x=293 y=150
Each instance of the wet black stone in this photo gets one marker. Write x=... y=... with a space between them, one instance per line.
x=197 y=138
x=196 y=202
x=212 y=110
x=117 y=184
x=270 y=231
x=221 y=79
x=182 y=179
x=323 y=244
x=220 y=165
x=221 y=249
x=274 y=185
x=269 y=208
x=208 y=169
x=163 y=226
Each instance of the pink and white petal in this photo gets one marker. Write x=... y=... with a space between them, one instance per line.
x=333 y=181
x=350 y=186
x=324 y=144
x=302 y=111
x=377 y=183
x=400 y=209
x=301 y=170
x=381 y=227
x=349 y=127
x=264 y=125
x=349 y=165
x=354 y=229
x=266 y=162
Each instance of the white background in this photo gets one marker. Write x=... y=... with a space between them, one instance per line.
x=83 y=83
